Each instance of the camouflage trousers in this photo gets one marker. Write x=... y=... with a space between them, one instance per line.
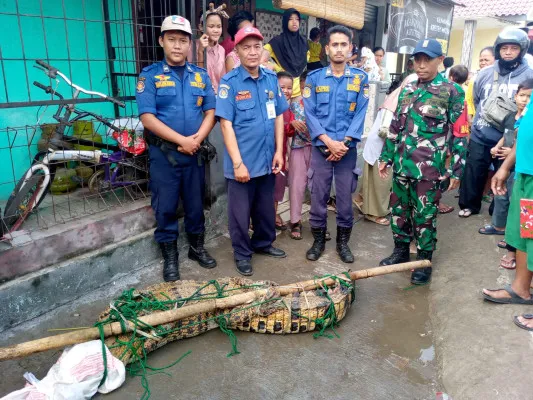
x=458 y=149
x=414 y=209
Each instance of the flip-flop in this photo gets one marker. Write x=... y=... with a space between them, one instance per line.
x=502 y=244
x=446 y=210
x=508 y=263
x=465 y=213
x=378 y=220
x=490 y=230
x=519 y=324
x=514 y=299
x=359 y=205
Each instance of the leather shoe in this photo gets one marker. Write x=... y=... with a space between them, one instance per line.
x=272 y=252
x=244 y=267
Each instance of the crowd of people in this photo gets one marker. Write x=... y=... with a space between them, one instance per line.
x=289 y=119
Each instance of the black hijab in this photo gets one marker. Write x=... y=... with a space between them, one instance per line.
x=290 y=48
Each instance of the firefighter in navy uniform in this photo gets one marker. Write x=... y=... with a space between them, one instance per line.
x=176 y=105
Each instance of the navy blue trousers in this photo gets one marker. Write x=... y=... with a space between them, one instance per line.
x=254 y=199
x=320 y=175
x=168 y=183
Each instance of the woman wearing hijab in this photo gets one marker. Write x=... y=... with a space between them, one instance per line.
x=288 y=51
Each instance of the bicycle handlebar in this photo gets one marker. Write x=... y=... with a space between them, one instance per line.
x=52 y=72
x=115 y=101
x=47 y=89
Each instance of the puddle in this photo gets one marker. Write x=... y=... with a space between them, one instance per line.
x=427 y=355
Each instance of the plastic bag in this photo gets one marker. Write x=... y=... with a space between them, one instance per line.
x=75 y=376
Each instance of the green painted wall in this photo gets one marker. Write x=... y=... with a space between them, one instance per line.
x=71 y=35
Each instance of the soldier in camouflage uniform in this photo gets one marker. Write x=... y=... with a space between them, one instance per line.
x=416 y=149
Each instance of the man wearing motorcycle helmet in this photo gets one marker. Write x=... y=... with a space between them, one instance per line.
x=510 y=69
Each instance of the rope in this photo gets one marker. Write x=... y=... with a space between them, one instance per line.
x=223 y=324
x=130 y=304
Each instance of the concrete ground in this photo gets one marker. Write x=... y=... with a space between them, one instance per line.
x=396 y=342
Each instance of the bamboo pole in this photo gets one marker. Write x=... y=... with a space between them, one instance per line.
x=164 y=317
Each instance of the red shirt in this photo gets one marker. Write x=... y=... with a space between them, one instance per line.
x=461 y=128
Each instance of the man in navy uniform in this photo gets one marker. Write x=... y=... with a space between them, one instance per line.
x=250 y=107
x=176 y=103
x=335 y=102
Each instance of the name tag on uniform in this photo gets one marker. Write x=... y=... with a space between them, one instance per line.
x=322 y=89
x=271 y=109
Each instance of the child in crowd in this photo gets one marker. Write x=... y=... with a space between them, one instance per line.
x=501 y=151
x=459 y=140
x=285 y=81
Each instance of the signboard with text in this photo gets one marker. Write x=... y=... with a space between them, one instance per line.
x=414 y=20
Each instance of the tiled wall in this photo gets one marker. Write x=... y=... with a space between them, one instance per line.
x=270 y=24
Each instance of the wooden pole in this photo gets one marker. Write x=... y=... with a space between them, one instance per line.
x=164 y=317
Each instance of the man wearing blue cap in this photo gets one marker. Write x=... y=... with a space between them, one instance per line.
x=416 y=150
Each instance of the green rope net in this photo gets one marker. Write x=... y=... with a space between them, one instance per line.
x=130 y=304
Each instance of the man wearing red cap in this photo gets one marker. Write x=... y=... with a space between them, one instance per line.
x=250 y=107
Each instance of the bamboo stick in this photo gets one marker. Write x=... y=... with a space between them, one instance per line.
x=164 y=317
x=354 y=275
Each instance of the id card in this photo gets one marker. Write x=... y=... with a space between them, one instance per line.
x=271 y=109
x=526 y=219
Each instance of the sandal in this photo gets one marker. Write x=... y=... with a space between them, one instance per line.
x=359 y=205
x=296 y=229
x=502 y=244
x=467 y=212
x=328 y=236
x=520 y=324
x=280 y=226
x=490 y=230
x=514 y=299
x=508 y=262
x=378 y=220
x=445 y=209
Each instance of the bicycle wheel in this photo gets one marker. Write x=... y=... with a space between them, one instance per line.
x=24 y=199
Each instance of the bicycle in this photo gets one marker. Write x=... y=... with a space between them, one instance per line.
x=32 y=188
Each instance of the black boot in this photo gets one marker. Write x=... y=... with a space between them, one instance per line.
x=399 y=255
x=344 y=252
x=319 y=245
x=198 y=253
x=422 y=275
x=170 y=255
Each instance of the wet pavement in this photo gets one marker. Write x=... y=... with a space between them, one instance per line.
x=385 y=350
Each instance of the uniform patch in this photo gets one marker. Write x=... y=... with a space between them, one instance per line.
x=322 y=89
x=243 y=95
x=163 y=84
x=357 y=80
x=271 y=95
x=198 y=77
x=354 y=88
x=223 y=93
x=198 y=85
x=307 y=92
x=142 y=78
x=200 y=101
x=140 y=86
x=223 y=85
x=352 y=106
x=366 y=92
x=162 y=77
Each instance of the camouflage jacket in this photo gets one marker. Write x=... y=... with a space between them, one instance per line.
x=417 y=143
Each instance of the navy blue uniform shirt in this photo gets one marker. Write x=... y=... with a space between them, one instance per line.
x=177 y=102
x=336 y=106
x=243 y=101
